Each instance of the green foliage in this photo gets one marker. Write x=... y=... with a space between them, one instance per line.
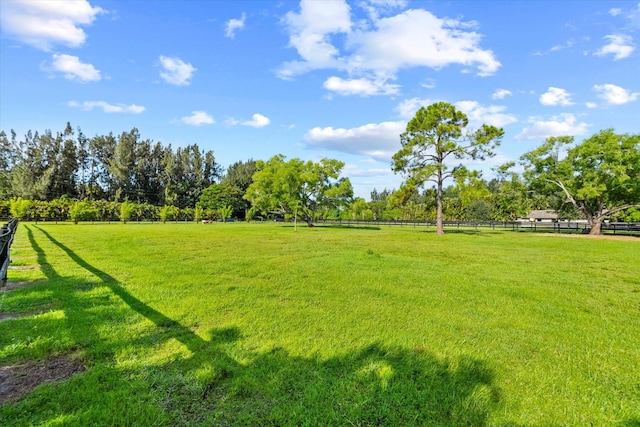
x=511 y=198
x=82 y=211
x=432 y=136
x=20 y=207
x=198 y=213
x=598 y=177
x=127 y=167
x=240 y=174
x=218 y=196
x=225 y=213
x=5 y=208
x=168 y=213
x=126 y=211
x=295 y=187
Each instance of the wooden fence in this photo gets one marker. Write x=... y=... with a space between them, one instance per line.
x=565 y=226
x=6 y=238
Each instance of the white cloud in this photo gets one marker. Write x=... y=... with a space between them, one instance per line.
x=176 y=71
x=478 y=115
x=73 y=69
x=375 y=8
x=362 y=87
x=615 y=95
x=107 y=108
x=429 y=84
x=564 y=124
x=378 y=140
x=501 y=94
x=198 y=118
x=352 y=170
x=591 y=105
x=44 y=24
x=309 y=33
x=407 y=108
x=556 y=96
x=615 y=11
x=382 y=46
x=230 y=121
x=567 y=45
x=417 y=38
x=233 y=25
x=257 y=121
x=620 y=46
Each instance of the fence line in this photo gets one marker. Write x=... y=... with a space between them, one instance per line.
x=549 y=226
x=575 y=226
x=6 y=238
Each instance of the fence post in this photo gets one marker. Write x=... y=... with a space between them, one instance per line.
x=6 y=238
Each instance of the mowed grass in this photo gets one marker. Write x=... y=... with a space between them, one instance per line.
x=255 y=324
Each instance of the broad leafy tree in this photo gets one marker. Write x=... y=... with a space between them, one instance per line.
x=218 y=196
x=434 y=136
x=299 y=188
x=598 y=177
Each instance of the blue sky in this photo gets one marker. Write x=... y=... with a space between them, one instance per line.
x=314 y=79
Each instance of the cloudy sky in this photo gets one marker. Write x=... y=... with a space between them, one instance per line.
x=319 y=78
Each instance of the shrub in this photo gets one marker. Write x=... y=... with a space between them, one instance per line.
x=20 y=207
x=126 y=210
x=167 y=213
x=82 y=211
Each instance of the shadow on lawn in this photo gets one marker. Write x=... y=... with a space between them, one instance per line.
x=376 y=385
x=469 y=232
x=350 y=227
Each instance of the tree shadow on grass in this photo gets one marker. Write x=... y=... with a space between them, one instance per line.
x=468 y=232
x=375 y=385
x=349 y=227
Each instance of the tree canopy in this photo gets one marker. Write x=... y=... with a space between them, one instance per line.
x=599 y=177
x=221 y=196
x=433 y=135
x=297 y=187
x=125 y=167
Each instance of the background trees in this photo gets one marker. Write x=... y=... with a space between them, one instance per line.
x=221 y=196
x=592 y=180
x=68 y=164
x=298 y=188
x=434 y=134
x=598 y=177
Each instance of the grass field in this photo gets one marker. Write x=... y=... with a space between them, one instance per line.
x=255 y=324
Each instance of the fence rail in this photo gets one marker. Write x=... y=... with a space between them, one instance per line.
x=548 y=226
x=6 y=238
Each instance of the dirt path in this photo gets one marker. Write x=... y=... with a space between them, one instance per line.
x=596 y=237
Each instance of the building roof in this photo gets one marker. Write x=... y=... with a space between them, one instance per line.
x=543 y=214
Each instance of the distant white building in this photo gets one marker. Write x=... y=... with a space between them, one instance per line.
x=541 y=215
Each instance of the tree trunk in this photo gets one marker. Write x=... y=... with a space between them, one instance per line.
x=595 y=226
x=439 y=226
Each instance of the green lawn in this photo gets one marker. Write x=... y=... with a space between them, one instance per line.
x=255 y=324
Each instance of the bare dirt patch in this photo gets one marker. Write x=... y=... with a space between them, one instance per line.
x=15 y=285
x=596 y=237
x=18 y=380
x=5 y=316
x=23 y=267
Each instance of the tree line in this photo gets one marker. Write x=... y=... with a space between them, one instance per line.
x=106 y=167
x=68 y=175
